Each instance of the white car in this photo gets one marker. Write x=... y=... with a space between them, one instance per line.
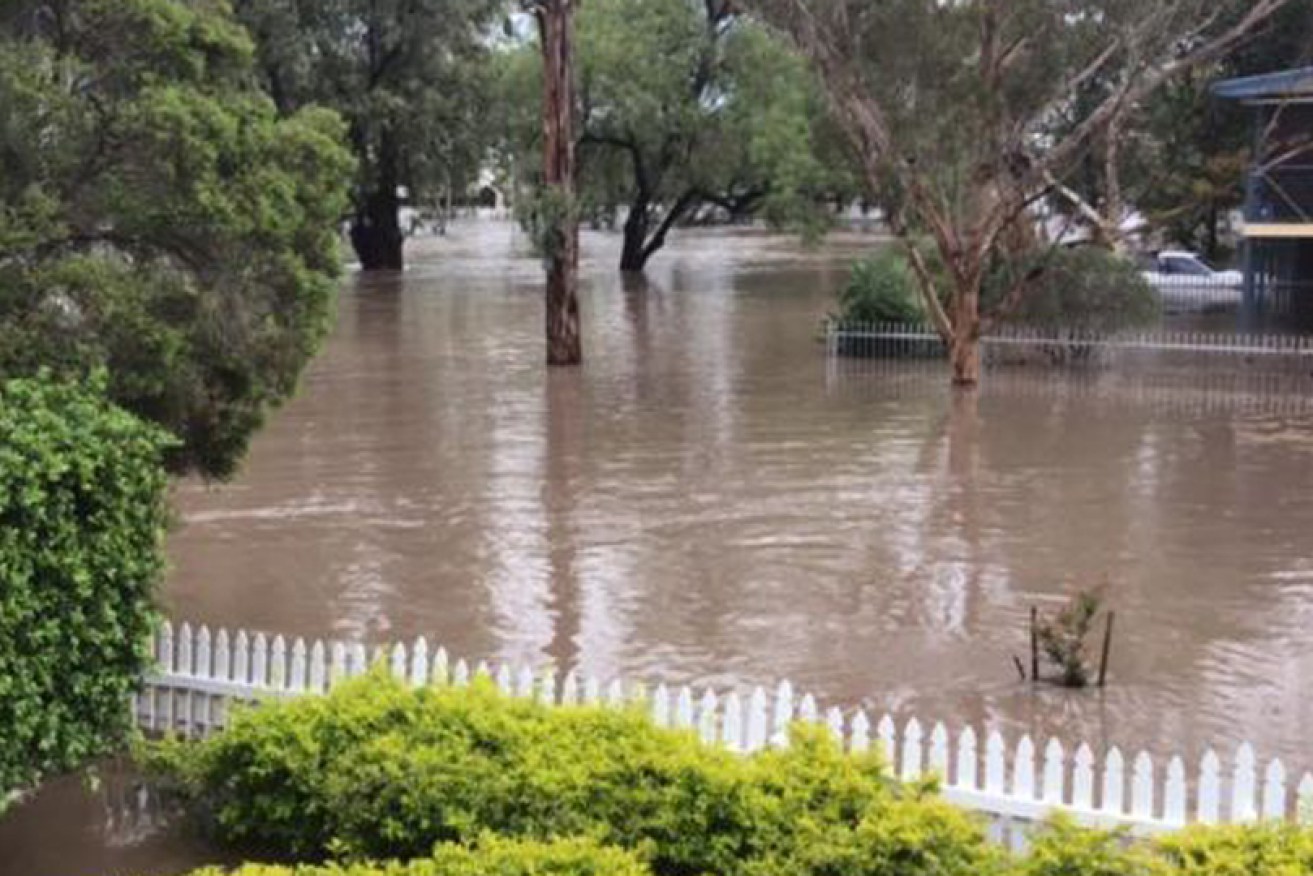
x=1185 y=279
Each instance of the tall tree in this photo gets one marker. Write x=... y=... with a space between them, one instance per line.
x=560 y=214
x=408 y=76
x=158 y=219
x=954 y=110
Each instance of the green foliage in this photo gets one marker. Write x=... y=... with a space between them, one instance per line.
x=412 y=78
x=881 y=289
x=683 y=107
x=82 y=516
x=1079 y=291
x=490 y=857
x=547 y=214
x=1252 y=850
x=1064 y=637
x=1062 y=848
x=1082 y=291
x=377 y=770
x=159 y=220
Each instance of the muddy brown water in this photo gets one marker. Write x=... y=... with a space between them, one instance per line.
x=709 y=501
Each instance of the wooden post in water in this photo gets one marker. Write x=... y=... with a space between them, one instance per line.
x=1107 y=648
x=1034 y=645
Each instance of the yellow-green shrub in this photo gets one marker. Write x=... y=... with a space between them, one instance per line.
x=1252 y=850
x=376 y=770
x=1061 y=848
x=491 y=857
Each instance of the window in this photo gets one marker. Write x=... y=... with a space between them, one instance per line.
x=1184 y=266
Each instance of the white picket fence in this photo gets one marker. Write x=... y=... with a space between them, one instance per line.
x=199 y=673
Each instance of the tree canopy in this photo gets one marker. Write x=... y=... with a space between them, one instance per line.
x=410 y=78
x=159 y=219
x=684 y=105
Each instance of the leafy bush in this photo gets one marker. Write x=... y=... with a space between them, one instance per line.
x=379 y=770
x=82 y=512
x=1072 y=291
x=1252 y=850
x=491 y=857
x=1062 y=848
x=881 y=289
x=1080 y=291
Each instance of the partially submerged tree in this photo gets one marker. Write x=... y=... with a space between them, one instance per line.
x=967 y=115
x=158 y=219
x=686 y=106
x=408 y=76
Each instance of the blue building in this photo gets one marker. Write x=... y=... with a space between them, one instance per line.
x=1278 y=212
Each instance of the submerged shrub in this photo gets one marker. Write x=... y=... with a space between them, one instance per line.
x=377 y=770
x=1079 y=291
x=881 y=289
x=490 y=857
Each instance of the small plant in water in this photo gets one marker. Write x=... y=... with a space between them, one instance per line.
x=1064 y=637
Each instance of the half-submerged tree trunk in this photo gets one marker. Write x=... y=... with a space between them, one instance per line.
x=641 y=242
x=556 y=30
x=376 y=233
x=633 y=256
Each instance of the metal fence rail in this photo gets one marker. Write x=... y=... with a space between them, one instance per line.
x=1019 y=345
x=198 y=674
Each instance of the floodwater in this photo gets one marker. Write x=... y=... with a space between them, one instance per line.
x=709 y=501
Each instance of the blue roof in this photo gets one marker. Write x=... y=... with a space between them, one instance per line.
x=1284 y=84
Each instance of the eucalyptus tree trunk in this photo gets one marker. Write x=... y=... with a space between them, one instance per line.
x=556 y=30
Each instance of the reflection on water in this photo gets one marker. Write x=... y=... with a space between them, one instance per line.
x=710 y=501
x=115 y=825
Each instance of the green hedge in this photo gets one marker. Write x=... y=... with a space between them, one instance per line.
x=1234 y=850
x=490 y=857
x=376 y=770
x=82 y=515
x=379 y=771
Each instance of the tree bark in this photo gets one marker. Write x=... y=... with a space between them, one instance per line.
x=376 y=233
x=964 y=347
x=556 y=30
x=639 y=247
x=633 y=257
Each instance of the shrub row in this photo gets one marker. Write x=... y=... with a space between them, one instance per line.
x=379 y=771
x=490 y=857
x=1084 y=290
x=376 y=770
